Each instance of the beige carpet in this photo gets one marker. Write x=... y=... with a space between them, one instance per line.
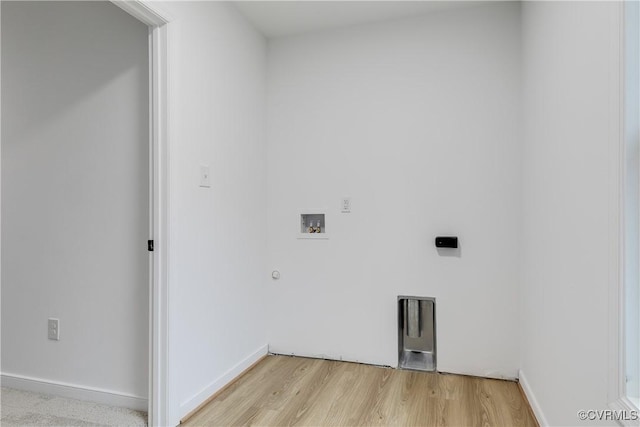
x=21 y=408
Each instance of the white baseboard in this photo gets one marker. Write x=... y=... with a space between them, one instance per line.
x=537 y=409
x=73 y=391
x=624 y=405
x=196 y=400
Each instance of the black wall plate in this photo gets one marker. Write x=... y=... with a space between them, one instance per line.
x=446 y=242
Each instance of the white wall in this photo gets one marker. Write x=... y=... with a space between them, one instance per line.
x=218 y=234
x=418 y=121
x=75 y=194
x=571 y=62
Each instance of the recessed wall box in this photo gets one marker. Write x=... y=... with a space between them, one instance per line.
x=446 y=242
x=312 y=225
x=417 y=333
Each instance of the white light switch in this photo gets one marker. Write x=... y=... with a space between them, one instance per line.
x=345 y=205
x=205 y=178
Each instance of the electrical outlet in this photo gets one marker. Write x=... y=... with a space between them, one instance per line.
x=54 y=329
x=345 y=205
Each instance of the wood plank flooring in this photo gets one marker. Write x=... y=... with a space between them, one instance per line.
x=285 y=391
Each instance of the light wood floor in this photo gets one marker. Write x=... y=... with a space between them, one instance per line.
x=283 y=390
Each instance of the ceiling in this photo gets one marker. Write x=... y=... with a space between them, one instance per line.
x=284 y=18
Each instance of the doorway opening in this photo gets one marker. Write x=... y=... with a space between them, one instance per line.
x=66 y=196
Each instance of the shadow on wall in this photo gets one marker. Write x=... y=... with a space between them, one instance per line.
x=450 y=252
x=64 y=75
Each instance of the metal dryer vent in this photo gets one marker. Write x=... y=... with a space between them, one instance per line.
x=417 y=333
